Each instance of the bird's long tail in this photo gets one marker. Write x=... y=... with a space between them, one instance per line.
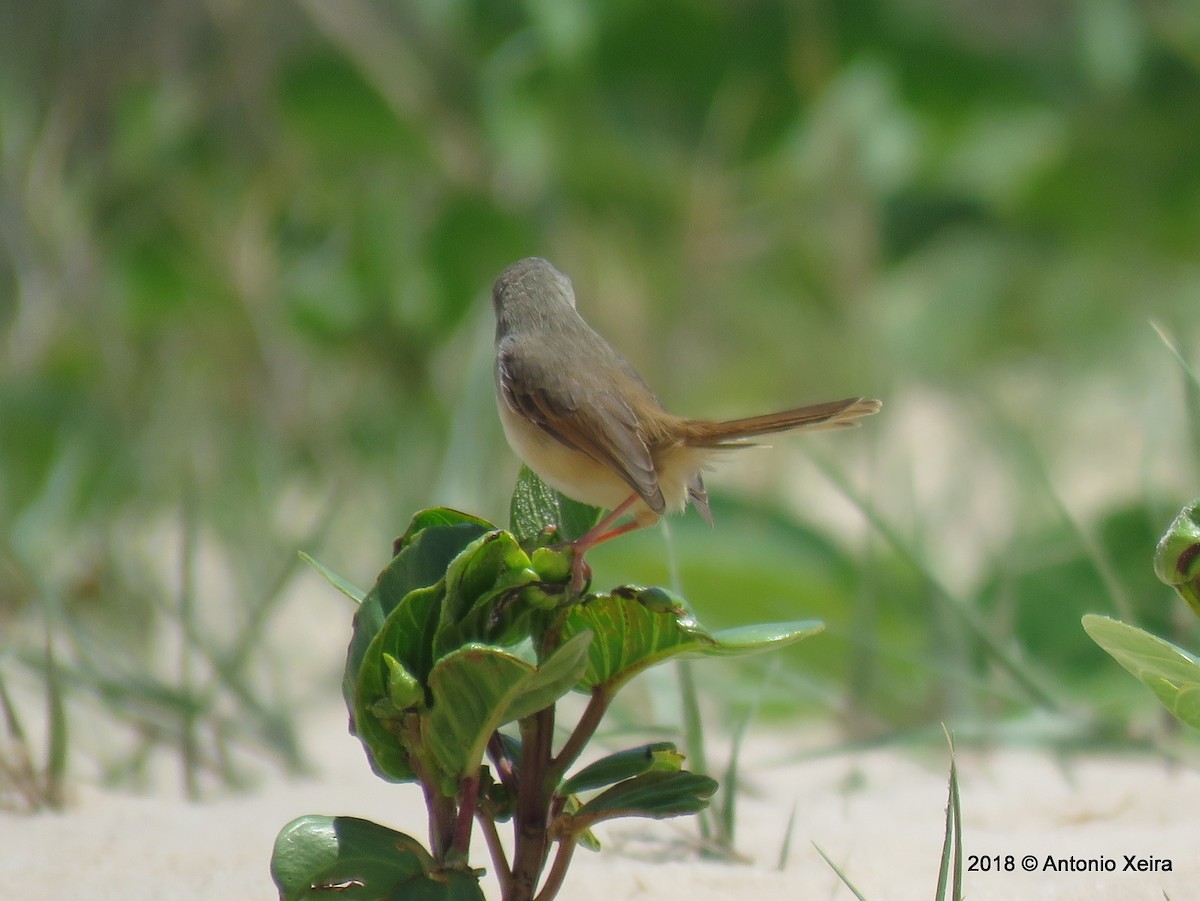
x=836 y=414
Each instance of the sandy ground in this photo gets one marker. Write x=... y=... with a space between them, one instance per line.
x=879 y=815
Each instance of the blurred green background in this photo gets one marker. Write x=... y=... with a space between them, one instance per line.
x=245 y=259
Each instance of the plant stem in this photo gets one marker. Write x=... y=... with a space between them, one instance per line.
x=442 y=814
x=558 y=871
x=539 y=776
x=468 y=795
x=532 y=818
x=499 y=861
x=441 y=819
x=584 y=730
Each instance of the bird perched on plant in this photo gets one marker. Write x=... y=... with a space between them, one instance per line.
x=581 y=417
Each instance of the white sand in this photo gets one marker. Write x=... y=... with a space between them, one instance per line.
x=879 y=815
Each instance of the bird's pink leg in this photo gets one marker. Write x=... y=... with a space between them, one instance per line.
x=601 y=532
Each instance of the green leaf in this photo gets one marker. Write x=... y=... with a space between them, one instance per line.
x=656 y=794
x=343 y=585
x=462 y=583
x=404 y=691
x=535 y=507
x=636 y=628
x=491 y=560
x=1170 y=672
x=448 y=885
x=586 y=838
x=434 y=538
x=347 y=858
x=660 y=756
x=476 y=689
x=439 y=517
x=1177 y=558
x=1187 y=705
x=552 y=564
x=406 y=636
x=483 y=602
x=757 y=639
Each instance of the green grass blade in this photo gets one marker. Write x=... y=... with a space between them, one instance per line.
x=951 y=862
x=12 y=719
x=1191 y=388
x=57 y=745
x=727 y=809
x=355 y=594
x=957 y=805
x=785 y=847
x=842 y=876
x=189 y=751
x=693 y=736
x=1175 y=352
x=16 y=768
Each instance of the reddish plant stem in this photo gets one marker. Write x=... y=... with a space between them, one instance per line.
x=468 y=795
x=441 y=809
x=532 y=817
x=558 y=871
x=496 y=849
x=581 y=735
x=441 y=818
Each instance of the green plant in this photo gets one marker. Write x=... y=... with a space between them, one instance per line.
x=23 y=783
x=471 y=628
x=950 y=869
x=1169 y=671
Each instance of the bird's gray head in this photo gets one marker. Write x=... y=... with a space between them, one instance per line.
x=529 y=295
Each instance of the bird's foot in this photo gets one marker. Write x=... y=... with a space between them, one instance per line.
x=581 y=573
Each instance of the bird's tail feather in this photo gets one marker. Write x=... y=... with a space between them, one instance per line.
x=837 y=414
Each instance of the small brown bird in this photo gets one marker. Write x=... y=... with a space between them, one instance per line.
x=582 y=418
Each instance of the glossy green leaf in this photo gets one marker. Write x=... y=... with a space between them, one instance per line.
x=404 y=690
x=322 y=857
x=439 y=517
x=434 y=538
x=476 y=689
x=492 y=559
x=1187 y=705
x=759 y=638
x=447 y=885
x=553 y=564
x=484 y=601
x=407 y=637
x=535 y=507
x=476 y=595
x=1170 y=672
x=660 y=756
x=1177 y=558
x=637 y=628
x=657 y=795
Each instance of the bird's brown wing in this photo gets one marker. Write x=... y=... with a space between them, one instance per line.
x=592 y=419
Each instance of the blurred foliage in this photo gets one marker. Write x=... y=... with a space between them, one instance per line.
x=245 y=251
